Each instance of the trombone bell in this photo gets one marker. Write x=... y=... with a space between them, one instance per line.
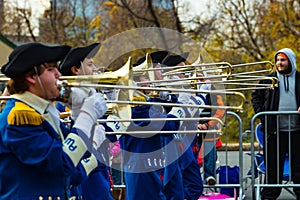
x=121 y=76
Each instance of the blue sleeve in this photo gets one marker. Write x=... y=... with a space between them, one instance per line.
x=32 y=145
x=60 y=107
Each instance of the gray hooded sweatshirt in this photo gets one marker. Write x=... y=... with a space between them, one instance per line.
x=287 y=98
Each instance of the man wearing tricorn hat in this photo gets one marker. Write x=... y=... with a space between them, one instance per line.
x=38 y=154
x=145 y=157
x=191 y=177
x=79 y=61
x=156 y=58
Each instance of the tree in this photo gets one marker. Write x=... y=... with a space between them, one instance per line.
x=254 y=29
x=247 y=31
x=17 y=22
x=74 y=22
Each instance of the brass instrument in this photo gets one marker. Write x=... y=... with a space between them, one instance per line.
x=142 y=68
x=121 y=76
x=223 y=69
x=175 y=91
x=121 y=80
x=219 y=74
x=216 y=131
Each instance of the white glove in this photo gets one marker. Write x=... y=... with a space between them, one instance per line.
x=174 y=77
x=77 y=98
x=165 y=95
x=95 y=106
x=111 y=94
x=184 y=98
x=99 y=136
x=116 y=126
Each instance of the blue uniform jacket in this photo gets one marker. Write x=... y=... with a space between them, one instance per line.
x=149 y=162
x=33 y=163
x=97 y=184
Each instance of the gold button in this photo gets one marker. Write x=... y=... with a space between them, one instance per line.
x=129 y=166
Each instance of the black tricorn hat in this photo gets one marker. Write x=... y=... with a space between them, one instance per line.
x=156 y=57
x=173 y=60
x=25 y=57
x=75 y=56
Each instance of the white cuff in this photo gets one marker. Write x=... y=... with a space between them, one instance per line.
x=115 y=125
x=85 y=123
x=74 y=146
x=178 y=112
x=89 y=164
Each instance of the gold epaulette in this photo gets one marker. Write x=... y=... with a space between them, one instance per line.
x=138 y=98
x=67 y=109
x=22 y=114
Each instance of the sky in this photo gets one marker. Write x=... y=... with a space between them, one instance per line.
x=38 y=7
x=196 y=7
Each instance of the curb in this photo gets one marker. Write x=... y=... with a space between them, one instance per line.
x=236 y=146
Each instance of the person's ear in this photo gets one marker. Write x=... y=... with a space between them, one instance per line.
x=31 y=79
x=74 y=70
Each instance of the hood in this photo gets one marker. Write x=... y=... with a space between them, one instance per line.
x=292 y=58
x=284 y=78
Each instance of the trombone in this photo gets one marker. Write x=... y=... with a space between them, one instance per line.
x=174 y=91
x=120 y=76
x=222 y=71
x=111 y=80
x=216 y=131
x=121 y=80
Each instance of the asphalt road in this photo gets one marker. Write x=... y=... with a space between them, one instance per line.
x=232 y=158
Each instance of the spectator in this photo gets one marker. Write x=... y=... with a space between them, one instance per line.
x=285 y=97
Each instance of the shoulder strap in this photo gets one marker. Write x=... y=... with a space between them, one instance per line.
x=22 y=114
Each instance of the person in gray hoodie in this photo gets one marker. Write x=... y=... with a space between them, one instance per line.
x=285 y=97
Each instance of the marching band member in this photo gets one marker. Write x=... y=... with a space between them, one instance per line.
x=143 y=155
x=79 y=61
x=191 y=177
x=39 y=155
x=149 y=159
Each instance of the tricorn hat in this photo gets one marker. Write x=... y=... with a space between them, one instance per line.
x=75 y=56
x=156 y=57
x=173 y=60
x=25 y=57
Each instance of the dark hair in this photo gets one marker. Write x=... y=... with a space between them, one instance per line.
x=17 y=85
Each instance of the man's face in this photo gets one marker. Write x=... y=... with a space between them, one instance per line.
x=144 y=79
x=158 y=72
x=182 y=75
x=282 y=63
x=49 y=78
x=88 y=67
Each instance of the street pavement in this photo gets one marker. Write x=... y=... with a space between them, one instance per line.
x=232 y=158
